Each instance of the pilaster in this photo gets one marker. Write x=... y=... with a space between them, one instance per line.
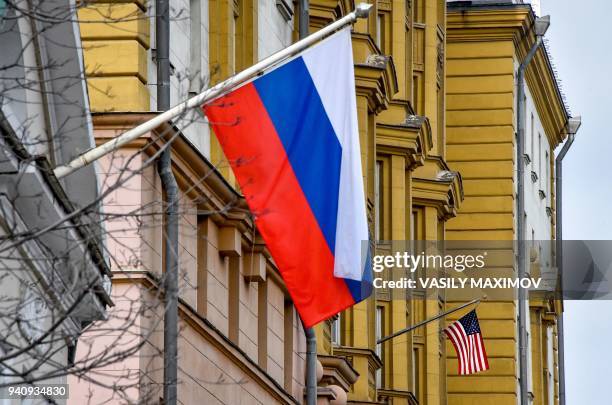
x=115 y=40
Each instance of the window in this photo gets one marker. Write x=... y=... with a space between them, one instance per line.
x=529 y=357
x=413 y=225
x=414 y=231
x=531 y=152
x=336 y=330
x=415 y=372
x=440 y=117
x=381 y=31
x=379 y=27
x=532 y=256
x=417 y=92
x=419 y=14
x=378 y=335
x=547 y=180
x=550 y=366
x=540 y=159
x=234 y=36
x=377 y=200
x=195 y=42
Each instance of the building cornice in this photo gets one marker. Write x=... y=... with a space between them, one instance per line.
x=547 y=97
x=337 y=371
x=493 y=24
x=215 y=337
x=375 y=79
x=434 y=184
x=411 y=138
x=513 y=22
x=188 y=162
x=195 y=174
x=349 y=351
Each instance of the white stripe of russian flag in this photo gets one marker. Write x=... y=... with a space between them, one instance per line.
x=351 y=226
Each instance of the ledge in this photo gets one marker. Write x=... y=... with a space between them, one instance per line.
x=348 y=351
x=338 y=371
x=412 y=138
x=444 y=189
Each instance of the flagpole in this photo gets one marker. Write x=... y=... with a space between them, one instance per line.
x=311 y=366
x=361 y=11
x=426 y=321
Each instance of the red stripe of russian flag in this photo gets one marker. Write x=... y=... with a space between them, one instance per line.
x=274 y=195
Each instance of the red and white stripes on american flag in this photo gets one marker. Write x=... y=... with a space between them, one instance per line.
x=466 y=338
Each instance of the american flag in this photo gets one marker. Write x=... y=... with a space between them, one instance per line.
x=467 y=339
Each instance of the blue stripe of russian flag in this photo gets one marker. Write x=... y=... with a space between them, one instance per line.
x=294 y=106
x=289 y=160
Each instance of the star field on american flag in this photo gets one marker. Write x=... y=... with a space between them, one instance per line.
x=466 y=337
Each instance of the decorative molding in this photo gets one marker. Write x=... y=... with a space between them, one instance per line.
x=375 y=75
x=384 y=5
x=254 y=267
x=379 y=61
x=350 y=352
x=444 y=191
x=230 y=241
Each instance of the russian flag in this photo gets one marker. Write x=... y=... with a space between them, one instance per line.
x=292 y=140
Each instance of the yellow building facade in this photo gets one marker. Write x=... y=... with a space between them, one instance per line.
x=400 y=78
x=436 y=110
x=486 y=44
x=411 y=192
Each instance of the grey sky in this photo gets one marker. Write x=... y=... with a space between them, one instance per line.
x=580 y=45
